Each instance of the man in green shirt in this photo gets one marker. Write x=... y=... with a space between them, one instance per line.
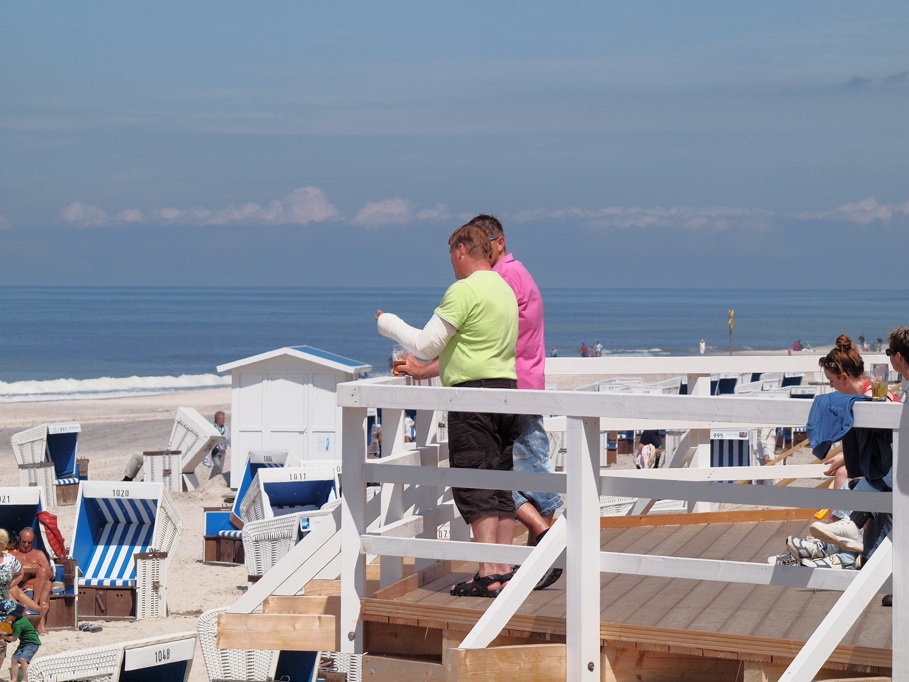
x=474 y=333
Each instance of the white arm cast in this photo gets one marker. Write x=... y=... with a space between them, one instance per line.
x=424 y=343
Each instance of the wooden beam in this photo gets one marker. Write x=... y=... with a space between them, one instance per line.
x=303 y=604
x=746 y=516
x=629 y=665
x=529 y=663
x=283 y=632
x=410 y=641
x=382 y=669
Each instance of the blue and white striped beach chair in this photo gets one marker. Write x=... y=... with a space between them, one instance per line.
x=19 y=509
x=124 y=538
x=223 y=528
x=46 y=456
x=730 y=449
x=281 y=508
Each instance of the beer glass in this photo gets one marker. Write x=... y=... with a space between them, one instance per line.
x=879 y=375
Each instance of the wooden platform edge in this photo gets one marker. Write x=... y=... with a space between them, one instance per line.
x=623 y=636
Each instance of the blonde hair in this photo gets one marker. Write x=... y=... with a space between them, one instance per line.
x=4 y=539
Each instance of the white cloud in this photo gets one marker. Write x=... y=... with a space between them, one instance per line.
x=301 y=207
x=623 y=218
x=384 y=213
x=863 y=212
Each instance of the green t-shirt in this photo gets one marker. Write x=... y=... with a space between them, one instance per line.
x=483 y=309
x=25 y=632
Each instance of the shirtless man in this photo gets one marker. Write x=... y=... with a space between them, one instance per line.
x=36 y=574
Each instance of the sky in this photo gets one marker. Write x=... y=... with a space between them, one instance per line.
x=652 y=144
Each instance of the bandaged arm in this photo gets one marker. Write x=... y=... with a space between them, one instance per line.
x=424 y=343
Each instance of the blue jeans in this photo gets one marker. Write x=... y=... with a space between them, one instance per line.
x=25 y=652
x=888 y=523
x=531 y=453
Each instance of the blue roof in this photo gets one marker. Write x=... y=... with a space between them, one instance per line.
x=325 y=355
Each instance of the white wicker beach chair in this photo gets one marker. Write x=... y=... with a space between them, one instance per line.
x=231 y=664
x=277 y=492
x=124 y=539
x=222 y=540
x=194 y=436
x=281 y=508
x=170 y=657
x=167 y=658
x=98 y=663
x=46 y=456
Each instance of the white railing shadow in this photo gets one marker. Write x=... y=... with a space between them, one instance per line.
x=575 y=543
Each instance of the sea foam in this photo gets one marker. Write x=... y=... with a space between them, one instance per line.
x=105 y=387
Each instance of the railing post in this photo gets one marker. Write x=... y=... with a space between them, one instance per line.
x=699 y=384
x=900 y=535
x=353 y=526
x=583 y=550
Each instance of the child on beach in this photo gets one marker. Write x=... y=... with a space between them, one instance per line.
x=22 y=630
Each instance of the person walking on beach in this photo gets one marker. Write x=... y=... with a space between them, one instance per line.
x=216 y=456
x=473 y=332
x=583 y=351
x=597 y=350
x=702 y=346
x=531 y=449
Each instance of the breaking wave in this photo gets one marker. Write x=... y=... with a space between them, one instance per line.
x=105 y=387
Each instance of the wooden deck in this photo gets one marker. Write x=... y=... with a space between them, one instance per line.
x=651 y=628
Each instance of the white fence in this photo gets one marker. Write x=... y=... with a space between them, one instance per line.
x=574 y=540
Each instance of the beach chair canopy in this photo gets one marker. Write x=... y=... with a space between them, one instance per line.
x=194 y=436
x=276 y=492
x=157 y=659
x=258 y=459
x=19 y=509
x=55 y=443
x=730 y=448
x=114 y=522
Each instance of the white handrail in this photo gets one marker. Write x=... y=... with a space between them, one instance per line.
x=584 y=483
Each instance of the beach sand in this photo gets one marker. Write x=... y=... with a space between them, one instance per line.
x=111 y=431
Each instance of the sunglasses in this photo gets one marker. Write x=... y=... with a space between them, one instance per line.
x=890 y=352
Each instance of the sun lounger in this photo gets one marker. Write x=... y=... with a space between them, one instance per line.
x=46 y=456
x=19 y=509
x=223 y=528
x=123 y=540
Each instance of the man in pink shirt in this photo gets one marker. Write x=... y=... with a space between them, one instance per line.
x=531 y=449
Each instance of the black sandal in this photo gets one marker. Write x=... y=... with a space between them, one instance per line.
x=478 y=586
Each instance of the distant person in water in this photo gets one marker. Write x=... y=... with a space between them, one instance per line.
x=702 y=346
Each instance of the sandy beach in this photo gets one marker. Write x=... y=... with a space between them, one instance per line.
x=111 y=431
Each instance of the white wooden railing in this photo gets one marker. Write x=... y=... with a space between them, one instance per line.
x=574 y=540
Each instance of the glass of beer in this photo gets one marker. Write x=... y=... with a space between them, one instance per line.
x=879 y=375
x=398 y=357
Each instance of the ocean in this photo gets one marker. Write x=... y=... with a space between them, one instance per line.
x=72 y=343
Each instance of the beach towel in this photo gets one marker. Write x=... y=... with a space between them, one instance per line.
x=646 y=457
x=52 y=532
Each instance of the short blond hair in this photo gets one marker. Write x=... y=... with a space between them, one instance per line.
x=475 y=241
x=4 y=539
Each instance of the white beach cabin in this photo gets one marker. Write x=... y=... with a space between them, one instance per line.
x=285 y=399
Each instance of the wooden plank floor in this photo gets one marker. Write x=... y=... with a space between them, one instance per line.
x=713 y=615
